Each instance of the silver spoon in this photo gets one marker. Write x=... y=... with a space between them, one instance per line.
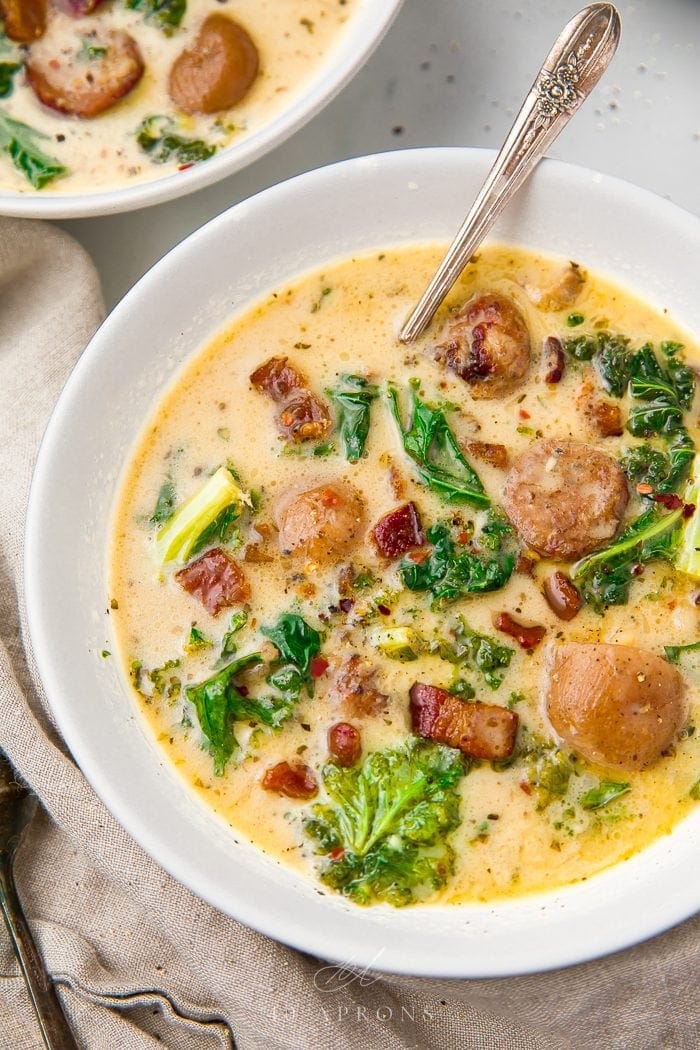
x=16 y=808
x=573 y=67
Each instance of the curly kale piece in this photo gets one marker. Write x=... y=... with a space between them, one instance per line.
x=353 y=396
x=298 y=643
x=20 y=142
x=158 y=137
x=166 y=14
x=429 y=441
x=477 y=652
x=449 y=574
x=385 y=829
x=605 y=576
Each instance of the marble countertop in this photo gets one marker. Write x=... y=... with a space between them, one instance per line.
x=453 y=73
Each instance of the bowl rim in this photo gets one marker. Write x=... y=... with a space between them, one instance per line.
x=370 y=23
x=318 y=940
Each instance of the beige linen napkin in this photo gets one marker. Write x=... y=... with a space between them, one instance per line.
x=140 y=962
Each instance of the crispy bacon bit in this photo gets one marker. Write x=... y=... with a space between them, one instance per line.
x=354 y=688
x=554 y=360
x=496 y=455
x=606 y=417
x=524 y=786
x=276 y=378
x=304 y=418
x=479 y=730
x=337 y=854
x=344 y=743
x=526 y=637
x=688 y=510
x=668 y=500
x=216 y=580
x=396 y=481
x=562 y=596
x=525 y=566
x=293 y=781
x=24 y=20
x=318 y=667
x=399 y=531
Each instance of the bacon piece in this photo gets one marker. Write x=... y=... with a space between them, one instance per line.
x=276 y=378
x=525 y=566
x=479 y=730
x=563 y=597
x=304 y=417
x=554 y=360
x=354 y=688
x=606 y=417
x=496 y=455
x=344 y=743
x=216 y=580
x=293 y=781
x=399 y=531
x=526 y=637
x=25 y=20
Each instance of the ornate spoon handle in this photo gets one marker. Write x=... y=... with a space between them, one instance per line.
x=571 y=70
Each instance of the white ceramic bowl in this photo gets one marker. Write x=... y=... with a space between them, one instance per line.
x=637 y=239
x=362 y=34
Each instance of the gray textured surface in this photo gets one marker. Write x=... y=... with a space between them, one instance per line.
x=452 y=73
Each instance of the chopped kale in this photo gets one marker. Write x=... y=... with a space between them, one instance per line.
x=157 y=136
x=20 y=142
x=353 y=396
x=477 y=652
x=606 y=792
x=166 y=14
x=449 y=574
x=165 y=504
x=298 y=643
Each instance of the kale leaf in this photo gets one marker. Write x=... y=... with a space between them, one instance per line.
x=448 y=574
x=298 y=643
x=353 y=397
x=7 y=72
x=434 y=449
x=165 y=504
x=606 y=792
x=166 y=14
x=387 y=823
x=604 y=577
x=19 y=141
x=674 y=652
x=157 y=136
x=478 y=652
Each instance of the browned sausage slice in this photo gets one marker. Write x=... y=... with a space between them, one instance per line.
x=486 y=342
x=217 y=70
x=321 y=522
x=25 y=20
x=64 y=81
x=617 y=706
x=354 y=688
x=565 y=498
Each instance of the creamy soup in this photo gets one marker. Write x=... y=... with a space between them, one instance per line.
x=423 y=622
x=102 y=95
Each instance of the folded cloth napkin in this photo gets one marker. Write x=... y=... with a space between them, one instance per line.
x=141 y=962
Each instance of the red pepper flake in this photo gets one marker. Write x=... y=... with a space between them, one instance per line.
x=184 y=167
x=644 y=489
x=672 y=604
x=688 y=510
x=243 y=690
x=318 y=667
x=669 y=500
x=418 y=557
x=637 y=569
x=336 y=854
x=463 y=538
x=54 y=63
x=524 y=414
x=330 y=498
x=384 y=610
x=524 y=786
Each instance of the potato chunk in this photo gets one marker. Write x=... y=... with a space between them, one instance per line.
x=617 y=706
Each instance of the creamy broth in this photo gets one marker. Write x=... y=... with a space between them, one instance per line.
x=513 y=837
x=294 y=38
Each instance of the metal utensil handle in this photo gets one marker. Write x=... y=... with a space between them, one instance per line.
x=52 y=1022
x=571 y=70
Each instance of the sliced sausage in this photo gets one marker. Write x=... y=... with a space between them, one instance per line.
x=216 y=580
x=320 y=523
x=292 y=781
x=479 y=730
x=24 y=20
x=565 y=498
x=217 y=70
x=277 y=378
x=65 y=82
x=617 y=706
x=344 y=743
x=486 y=343
x=399 y=531
x=354 y=688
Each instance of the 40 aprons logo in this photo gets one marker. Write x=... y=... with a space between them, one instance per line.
x=332 y=979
